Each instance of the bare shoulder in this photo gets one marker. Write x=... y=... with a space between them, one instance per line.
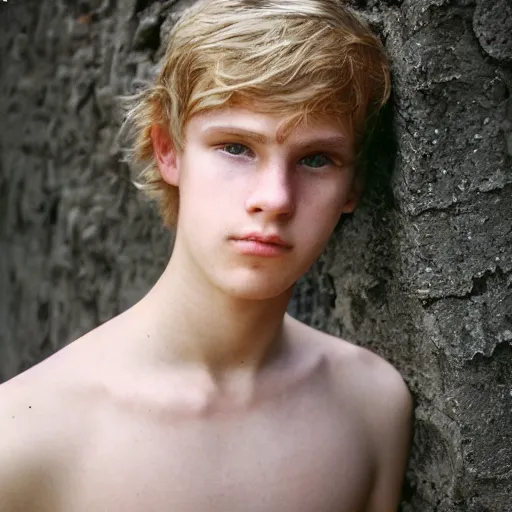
x=28 y=441
x=373 y=394
x=43 y=420
x=376 y=388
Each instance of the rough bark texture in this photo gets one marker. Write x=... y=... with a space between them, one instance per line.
x=421 y=273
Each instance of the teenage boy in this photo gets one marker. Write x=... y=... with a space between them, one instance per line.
x=206 y=395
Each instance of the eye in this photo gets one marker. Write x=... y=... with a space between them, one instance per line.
x=234 y=149
x=317 y=161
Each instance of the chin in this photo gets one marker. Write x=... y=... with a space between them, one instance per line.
x=254 y=294
x=255 y=287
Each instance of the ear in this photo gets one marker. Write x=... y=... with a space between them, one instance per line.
x=165 y=155
x=354 y=196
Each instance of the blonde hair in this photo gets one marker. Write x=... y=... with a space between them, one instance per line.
x=286 y=57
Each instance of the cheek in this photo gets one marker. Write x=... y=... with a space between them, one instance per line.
x=323 y=201
x=208 y=188
x=320 y=213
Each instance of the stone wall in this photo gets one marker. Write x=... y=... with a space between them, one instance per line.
x=421 y=273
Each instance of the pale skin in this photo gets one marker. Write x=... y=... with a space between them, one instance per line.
x=206 y=395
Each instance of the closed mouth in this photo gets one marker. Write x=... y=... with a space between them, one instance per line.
x=270 y=240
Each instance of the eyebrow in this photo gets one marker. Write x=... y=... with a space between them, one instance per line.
x=336 y=142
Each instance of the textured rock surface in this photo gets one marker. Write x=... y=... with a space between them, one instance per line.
x=421 y=273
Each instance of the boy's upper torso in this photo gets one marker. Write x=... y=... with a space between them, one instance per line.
x=90 y=429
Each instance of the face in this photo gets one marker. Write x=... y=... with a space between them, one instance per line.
x=255 y=211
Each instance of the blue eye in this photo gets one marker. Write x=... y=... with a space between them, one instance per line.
x=317 y=161
x=235 y=149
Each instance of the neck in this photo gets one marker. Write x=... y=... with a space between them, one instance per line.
x=188 y=320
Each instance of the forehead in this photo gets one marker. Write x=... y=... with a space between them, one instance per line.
x=269 y=126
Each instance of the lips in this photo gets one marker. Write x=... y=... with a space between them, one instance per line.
x=264 y=239
x=261 y=246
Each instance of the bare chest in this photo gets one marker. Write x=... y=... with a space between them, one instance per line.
x=290 y=456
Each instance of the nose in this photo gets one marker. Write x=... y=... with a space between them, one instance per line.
x=272 y=193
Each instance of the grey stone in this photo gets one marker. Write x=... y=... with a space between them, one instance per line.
x=492 y=23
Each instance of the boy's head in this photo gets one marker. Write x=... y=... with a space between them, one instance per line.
x=298 y=60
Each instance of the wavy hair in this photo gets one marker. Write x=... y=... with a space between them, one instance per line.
x=286 y=57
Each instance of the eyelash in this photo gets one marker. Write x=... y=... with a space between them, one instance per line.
x=223 y=146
